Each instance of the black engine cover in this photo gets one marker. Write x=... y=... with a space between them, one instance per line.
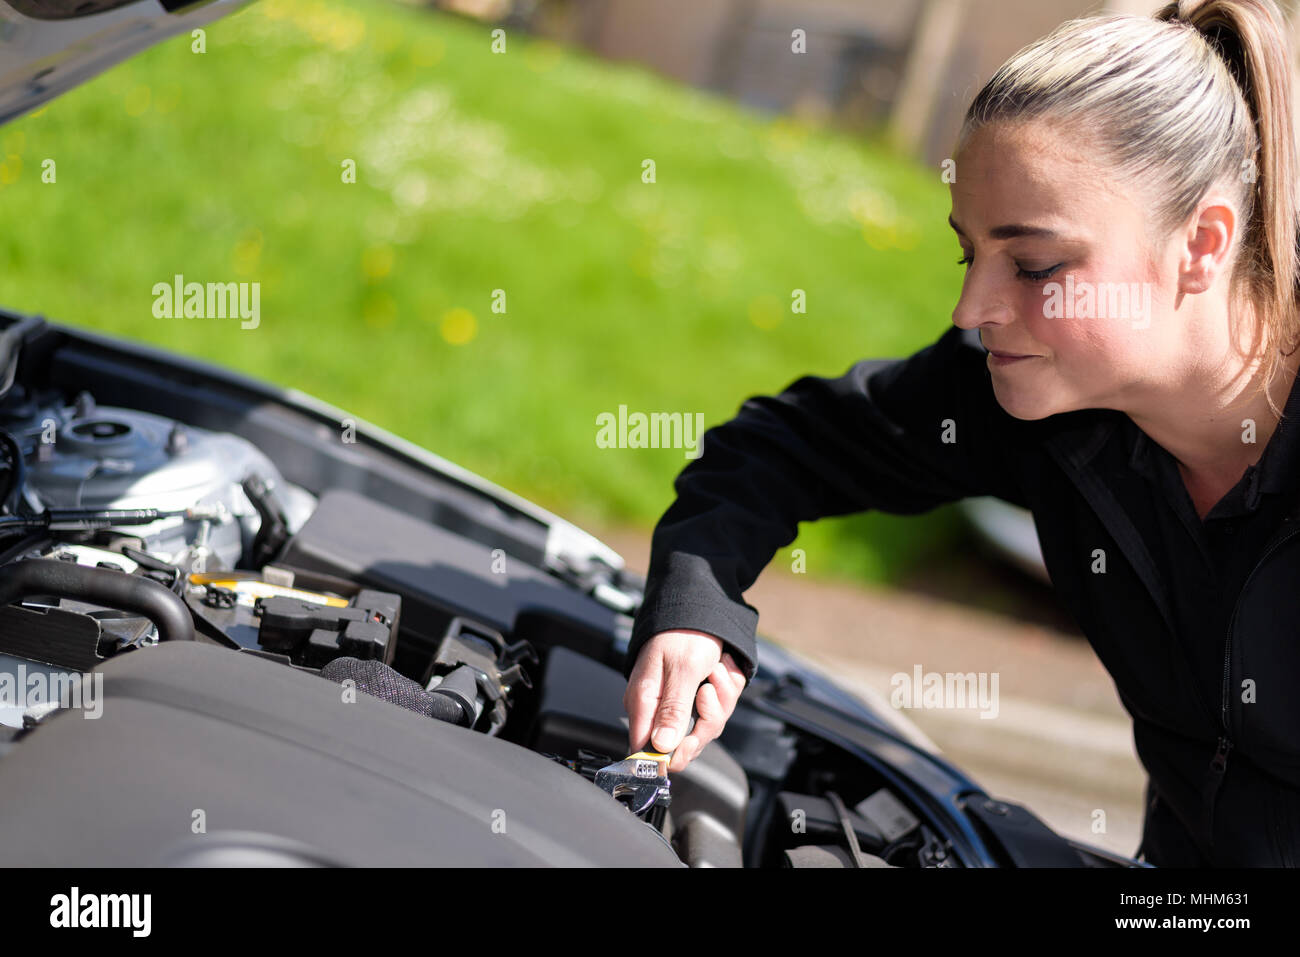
x=276 y=764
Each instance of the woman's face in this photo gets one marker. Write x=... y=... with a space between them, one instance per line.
x=1061 y=271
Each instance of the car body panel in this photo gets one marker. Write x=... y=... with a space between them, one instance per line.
x=44 y=58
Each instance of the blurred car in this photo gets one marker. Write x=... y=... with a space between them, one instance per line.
x=1009 y=530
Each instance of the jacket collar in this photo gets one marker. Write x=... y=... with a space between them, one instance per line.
x=1077 y=437
x=1074 y=443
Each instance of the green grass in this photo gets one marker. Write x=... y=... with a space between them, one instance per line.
x=475 y=172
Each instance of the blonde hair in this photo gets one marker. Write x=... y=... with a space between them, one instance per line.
x=1196 y=95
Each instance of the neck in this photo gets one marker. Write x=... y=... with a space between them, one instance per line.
x=1207 y=427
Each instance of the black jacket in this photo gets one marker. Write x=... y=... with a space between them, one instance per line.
x=1197 y=622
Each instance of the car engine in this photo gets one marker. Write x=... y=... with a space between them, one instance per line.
x=125 y=530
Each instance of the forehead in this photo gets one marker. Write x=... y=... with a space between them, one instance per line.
x=1034 y=170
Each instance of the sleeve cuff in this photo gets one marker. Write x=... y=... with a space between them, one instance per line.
x=687 y=597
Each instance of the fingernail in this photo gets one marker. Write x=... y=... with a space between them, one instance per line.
x=664 y=738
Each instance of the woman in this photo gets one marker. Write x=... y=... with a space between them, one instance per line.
x=1123 y=363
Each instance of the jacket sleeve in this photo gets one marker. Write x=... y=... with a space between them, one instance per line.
x=896 y=435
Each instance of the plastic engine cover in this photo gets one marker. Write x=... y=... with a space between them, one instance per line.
x=283 y=767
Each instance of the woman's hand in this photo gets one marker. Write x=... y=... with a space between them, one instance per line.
x=674 y=670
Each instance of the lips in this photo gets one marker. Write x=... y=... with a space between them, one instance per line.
x=1002 y=360
x=1012 y=355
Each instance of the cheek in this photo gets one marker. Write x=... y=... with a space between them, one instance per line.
x=1061 y=336
x=1094 y=352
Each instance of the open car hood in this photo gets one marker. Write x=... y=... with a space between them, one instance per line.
x=47 y=47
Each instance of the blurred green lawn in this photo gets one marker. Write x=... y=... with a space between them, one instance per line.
x=475 y=172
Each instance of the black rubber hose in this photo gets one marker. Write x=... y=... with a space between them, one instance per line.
x=100 y=586
x=16 y=475
x=11 y=345
x=84 y=519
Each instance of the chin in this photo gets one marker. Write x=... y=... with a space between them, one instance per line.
x=1019 y=404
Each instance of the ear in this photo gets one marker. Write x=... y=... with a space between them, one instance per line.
x=1209 y=239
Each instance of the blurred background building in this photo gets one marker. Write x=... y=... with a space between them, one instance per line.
x=907 y=68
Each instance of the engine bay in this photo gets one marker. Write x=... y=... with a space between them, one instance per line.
x=125 y=529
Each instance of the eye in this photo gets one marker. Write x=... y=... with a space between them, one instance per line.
x=1032 y=275
x=1037 y=275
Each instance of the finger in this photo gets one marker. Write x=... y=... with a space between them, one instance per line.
x=683 y=756
x=728 y=693
x=674 y=712
x=641 y=697
x=707 y=727
x=736 y=673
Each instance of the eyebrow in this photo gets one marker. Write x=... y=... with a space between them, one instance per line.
x=1011 y=231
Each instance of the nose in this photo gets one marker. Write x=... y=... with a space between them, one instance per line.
x=981 y=303
x=971 y=312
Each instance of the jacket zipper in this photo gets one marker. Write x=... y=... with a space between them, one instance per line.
x=1219 y=763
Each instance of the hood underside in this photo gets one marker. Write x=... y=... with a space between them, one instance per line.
x=47 y=47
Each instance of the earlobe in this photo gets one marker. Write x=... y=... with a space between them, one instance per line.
x=1198 y=271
